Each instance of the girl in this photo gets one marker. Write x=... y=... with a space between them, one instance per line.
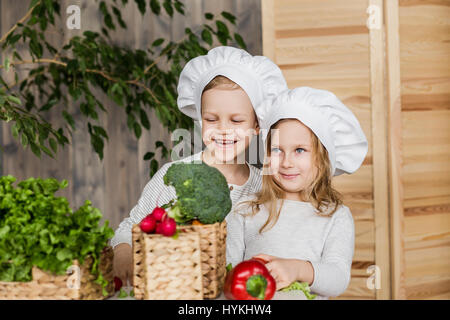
x=297 y=223
x=221 y=90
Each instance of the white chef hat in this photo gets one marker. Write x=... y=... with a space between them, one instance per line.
x=258 y=76
x=330 y=120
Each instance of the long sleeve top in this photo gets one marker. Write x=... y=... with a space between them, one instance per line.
x=299 y=233
x=157 y=193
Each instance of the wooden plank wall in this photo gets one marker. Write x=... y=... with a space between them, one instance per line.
x=401 y=69
x=425 y=114
x=114 y=184
x=325 y=44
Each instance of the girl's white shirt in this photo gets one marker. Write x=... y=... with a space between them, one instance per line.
x=157 y=193
x=299 y=233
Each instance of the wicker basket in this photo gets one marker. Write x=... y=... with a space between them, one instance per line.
x=46 y=286
x=189 y=268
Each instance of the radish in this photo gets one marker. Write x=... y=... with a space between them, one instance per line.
x=158 y=213
x=168 y=227
x=117 y=283
x=148 y=224
x=158 y=228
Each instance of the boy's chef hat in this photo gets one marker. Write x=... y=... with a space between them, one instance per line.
x=330 y=120
x=257 y=75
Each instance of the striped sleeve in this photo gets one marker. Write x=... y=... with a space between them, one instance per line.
x=155 y=193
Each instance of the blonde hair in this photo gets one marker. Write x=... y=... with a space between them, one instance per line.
x=320 y=192
x=221 y=81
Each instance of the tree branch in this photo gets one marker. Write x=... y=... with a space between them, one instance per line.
x=24 y=18
x=103 y=74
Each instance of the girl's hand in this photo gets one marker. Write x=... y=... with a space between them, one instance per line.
x=123 y=263
x=284 y=271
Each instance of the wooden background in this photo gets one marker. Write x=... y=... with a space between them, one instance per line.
x=113 y=185
x=395 y=78
x=424 y=32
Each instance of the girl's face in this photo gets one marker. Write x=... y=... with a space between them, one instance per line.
x=291 y=161
x=228 y=123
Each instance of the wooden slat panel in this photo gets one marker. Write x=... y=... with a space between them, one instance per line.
x=268 y=28
x=364 y=241
x=380 y=164
x=357 y=289
x=425 y=74
x=395 y=147
x=88 y=171
x=329 y=48
x=306 y=14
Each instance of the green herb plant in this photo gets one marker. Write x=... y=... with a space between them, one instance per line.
x=302 y=286
x=39 y=229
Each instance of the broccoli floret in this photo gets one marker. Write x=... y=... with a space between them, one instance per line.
x=202 y=192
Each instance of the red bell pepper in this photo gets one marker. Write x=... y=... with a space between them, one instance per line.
x=249 y=280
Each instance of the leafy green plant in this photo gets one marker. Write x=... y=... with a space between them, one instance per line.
x=92 y=63
x=39 y=229
x=301 y=286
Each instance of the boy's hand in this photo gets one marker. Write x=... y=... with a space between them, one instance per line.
x=123 y=263
x=284 y=271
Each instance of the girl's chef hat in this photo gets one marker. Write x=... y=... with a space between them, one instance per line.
x=330 y=120
x=257 y=75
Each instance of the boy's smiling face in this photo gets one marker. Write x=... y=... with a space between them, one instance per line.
x=228 y=123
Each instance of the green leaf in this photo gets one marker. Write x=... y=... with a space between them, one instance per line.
x=207 y=37
x=141 y=6
x=168 y=7
x=49 y=6
x=153 y=167
x=144 y=119
x=229 y=17
x=209 y=16
x=14 y=39
x=155 y=6
x=100 y=131
x=109 y=22
x=137 y=130
x=64 y=254
x=222 y=27
x=6 y=64
x=122 y=294
x=15 y=130
x=179 y=6
x=14 y=99
x=240 y=41
x=24 y=140
x=53 y=144
x=69 y=119
x=35 y=149
x=157 y=42
x=4 y=230
x=149 y=155
x=302 y=286
x=46 y=150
